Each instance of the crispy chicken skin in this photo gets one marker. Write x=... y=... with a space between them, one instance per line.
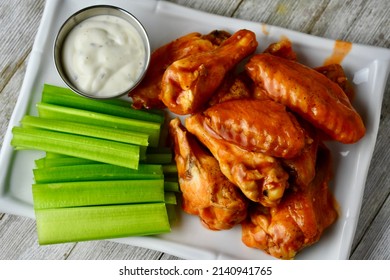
x=146 y=94
x=283 y=49
x=234 y=86
x=188 y=83
x=258 y=126
x=205 y=190
x=302 y=167
x=240 y=86
x=308 y=93
x=298 y=221
x=217 y=37
x=260 y=177
x=335 y=73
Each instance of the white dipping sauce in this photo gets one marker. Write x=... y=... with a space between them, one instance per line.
x=103 y=55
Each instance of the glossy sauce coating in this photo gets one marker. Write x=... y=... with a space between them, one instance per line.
x=146 y=94
x=205 y=190
x=257 y=125
x=260 y=177
x=308 y=93
x=300 y=218
x=189 y=83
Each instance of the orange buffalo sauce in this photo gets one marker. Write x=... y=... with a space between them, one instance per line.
x=264 y=29
x=340 y=51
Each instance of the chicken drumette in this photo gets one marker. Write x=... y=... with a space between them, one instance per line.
x=146 y=94
x=189 y=83
x=206 y=192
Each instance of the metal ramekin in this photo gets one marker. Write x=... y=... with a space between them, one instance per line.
x=84 y=14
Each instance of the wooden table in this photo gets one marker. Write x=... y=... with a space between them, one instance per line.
x=359 y=21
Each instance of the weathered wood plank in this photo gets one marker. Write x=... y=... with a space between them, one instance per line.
x=19 y=26
x=298 y=15
x=8 y=98
x=18 y=240
x=103 y=250
x=372 y=24
x=375 y=244
x=378 y=182
x=365 y=22
x=225 y=8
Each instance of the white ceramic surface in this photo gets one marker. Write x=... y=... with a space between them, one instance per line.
x=367 y=66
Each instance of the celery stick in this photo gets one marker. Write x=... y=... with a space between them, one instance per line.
x=100 y=222
x=172 y=213
x=54 y=91
x=51 y=111
x=170 y=186
x=158 y=158
x=96 y=172
x=169 y=168
x=159 y=150
x=71 y=194
x=146 y=157
x=54 y=155
x=170 y=198
x=119 y=135
x=106 y=151
x=116 y=107
x=62 y=161
x=159 y=155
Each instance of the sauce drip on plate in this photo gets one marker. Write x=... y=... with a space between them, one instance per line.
x=340 y=51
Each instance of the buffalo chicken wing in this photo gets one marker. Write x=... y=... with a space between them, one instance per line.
x=258 y=126
x=189 y=83
x=206 y=192
x=298 y=221
x=301 y=168
x=308 y=93
x=146 y=94
x=336 y=74
x=283 y=48
x=260 y=177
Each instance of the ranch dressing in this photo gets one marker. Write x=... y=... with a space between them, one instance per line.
x=104 y=55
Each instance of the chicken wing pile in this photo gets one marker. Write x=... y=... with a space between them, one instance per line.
x=251 y=149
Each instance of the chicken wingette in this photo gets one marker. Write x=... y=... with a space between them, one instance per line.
x=308 y=93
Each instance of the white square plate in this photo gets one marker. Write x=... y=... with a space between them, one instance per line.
x=367 y=66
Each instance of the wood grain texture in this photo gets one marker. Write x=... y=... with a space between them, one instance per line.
x=283 y=13
x=223 y=8
x=378 y=184
x=375 y=243
x=101 y=250
x=18 y=41
x=357 y=21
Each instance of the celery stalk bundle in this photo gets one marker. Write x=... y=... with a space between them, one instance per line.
x=103 y=175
